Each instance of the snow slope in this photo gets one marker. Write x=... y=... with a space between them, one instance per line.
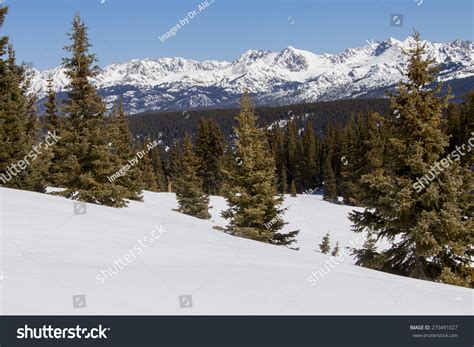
x=48 y=254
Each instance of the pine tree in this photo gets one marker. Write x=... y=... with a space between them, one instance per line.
x=293 y=189
x=174 y=163
x=132 y=180
x=310 y=158
x=276 y=139
x=52 y=123
x=188 y=185
x=368 y=256
x=148 y=178
x=22 y=164
x=425 y=223
x=254 y=209
x=330 y=189
x=335 y=251
x=324 y=246
x=210 y=149
x=293 y=159
x=157 y=164
x=51 y=110
x=86 y=138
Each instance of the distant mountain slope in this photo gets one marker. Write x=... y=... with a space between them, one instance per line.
x=275 y=78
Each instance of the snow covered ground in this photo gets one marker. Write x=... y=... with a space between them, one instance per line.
x=50 y=254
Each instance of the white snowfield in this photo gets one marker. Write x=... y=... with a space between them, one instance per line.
x=51 y=262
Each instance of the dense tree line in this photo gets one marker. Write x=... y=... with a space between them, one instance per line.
x=168 y=126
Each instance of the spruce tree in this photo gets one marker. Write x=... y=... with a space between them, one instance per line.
x=368 y=256
x=425 y=224
x=324 y=246
x=254 y=208
x=157 y=164
x=20 y=167
x=174 y=163
x=52 y=123
x=310 y=158
x=188 y=185
x=122 y=146
x=293 y=148
x=335 y=251
x=210 y=149
x=293 y=190
x=86 y=138
x=330 y=188
x=148 y=179
x=276 y=139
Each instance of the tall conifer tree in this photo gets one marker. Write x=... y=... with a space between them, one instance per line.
x=87 y=139
x=430 y=234
x=188 y=185
x=254 y=208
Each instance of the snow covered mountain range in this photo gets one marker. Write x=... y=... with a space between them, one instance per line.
x=275 y=78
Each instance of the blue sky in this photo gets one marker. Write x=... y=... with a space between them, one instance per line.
x=124 y=29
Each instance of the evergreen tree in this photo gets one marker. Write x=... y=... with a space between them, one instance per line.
x=188 y=185
x=335 y=251
x=254 y=209
x=157 y=164
x=174 y=166
x=368 y=256
x=86 y=146
x=293 y=189
x=53 y=125
x=122 y=146
x=210 y=149
x=51 y=110
x=330 y=189
x=425 y=224
x=310 y=158
x=324 y=246
x=21 y=166
x=293 y=159
x=148 y=180
x=276 y=138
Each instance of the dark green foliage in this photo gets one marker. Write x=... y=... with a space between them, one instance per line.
x=330 y=189
x=426 y=224
x=368 y=256
x=293 y=155
x=335 y=251
x=324 y=246
x=254 y=208
x=121 y=142
x=88 y=157
x=22 y=164
x=188 y=185
x=157 y=164
x=148 y=178
x=210 y=147
x=310 y=158
x=293 y=189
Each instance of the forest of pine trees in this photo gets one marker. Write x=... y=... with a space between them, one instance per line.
x=367 y=159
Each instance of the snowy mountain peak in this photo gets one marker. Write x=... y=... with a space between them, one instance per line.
x=289 y=76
